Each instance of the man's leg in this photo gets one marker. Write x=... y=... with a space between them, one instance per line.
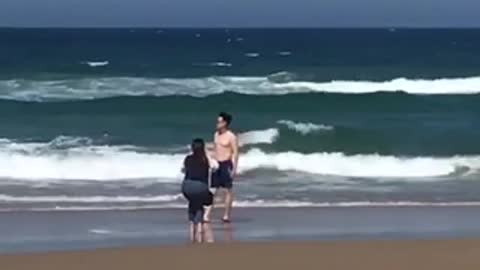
x=228 y=204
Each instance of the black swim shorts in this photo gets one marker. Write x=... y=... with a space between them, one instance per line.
x=222 y=177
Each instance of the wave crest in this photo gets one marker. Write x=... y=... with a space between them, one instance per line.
x=304 y=128
x=266 y=136
x=275 y=84
x=96 y=64
x=363 y=166
x=104 y=163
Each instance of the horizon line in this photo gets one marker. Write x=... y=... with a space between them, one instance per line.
x=246 y=28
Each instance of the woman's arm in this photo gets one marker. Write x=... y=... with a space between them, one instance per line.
x=183 y=170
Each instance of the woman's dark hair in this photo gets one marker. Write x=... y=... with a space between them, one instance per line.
x=198 y=150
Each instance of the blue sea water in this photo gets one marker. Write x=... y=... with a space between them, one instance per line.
x=101 y=118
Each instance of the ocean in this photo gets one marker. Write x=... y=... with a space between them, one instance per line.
x=101 y=119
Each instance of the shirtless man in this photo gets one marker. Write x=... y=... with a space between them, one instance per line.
x=226 y=153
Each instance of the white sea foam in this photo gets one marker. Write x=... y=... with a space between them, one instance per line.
x=219 y=64
x=284 y=53
x=39 y=161
x=89 y=199
x=252 y=55
x=281 y=77
x=96 y=64
x=367 y=165
x=91 y=88
x=66 y=161
x=266 y=136
x=299 y=204
x=437 y=86
x=71 y=143
x=304 y=128
x=99 y=231
x=99 y=163
x=251 y=204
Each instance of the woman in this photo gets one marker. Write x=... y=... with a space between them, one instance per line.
x=195 y=187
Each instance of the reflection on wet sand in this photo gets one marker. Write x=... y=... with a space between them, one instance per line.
x=209 y=233
x=208 y=236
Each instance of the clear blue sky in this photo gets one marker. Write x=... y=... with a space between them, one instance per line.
x=240 y=13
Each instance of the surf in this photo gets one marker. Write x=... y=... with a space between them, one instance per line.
x=111 y=163
x=107 y=87
x=305 y=128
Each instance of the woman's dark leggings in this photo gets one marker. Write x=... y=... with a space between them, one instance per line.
x=198 y=196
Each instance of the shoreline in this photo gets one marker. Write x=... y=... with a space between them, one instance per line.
x=368 y=255
x=66 y=231
x=183 y=207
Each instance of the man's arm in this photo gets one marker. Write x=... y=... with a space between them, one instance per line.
x=234 y=142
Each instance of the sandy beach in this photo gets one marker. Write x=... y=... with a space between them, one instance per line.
x=392 y=255
x=358 y=147
x=424 y=238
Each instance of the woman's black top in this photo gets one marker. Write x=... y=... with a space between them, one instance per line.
x=196 y=169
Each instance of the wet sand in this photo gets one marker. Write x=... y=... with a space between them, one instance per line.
x=360 y=255
x=28 y=232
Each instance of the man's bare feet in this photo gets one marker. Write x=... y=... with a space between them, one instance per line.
x=226 y=220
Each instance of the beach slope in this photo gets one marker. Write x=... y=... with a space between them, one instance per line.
x=391 y=255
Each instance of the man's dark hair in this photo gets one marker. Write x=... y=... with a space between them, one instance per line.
x=226 y=117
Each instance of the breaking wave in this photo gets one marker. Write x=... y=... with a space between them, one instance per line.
x=304 y=128
x=96 y=64
x=94 y=88
x=102 y=163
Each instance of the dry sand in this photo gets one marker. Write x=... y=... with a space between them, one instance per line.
x=361 y=255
